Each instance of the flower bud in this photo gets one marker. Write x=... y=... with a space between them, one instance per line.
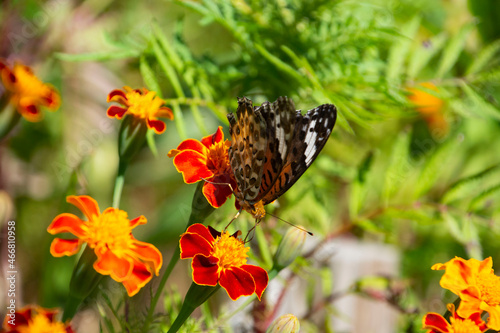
x=290 y=247
x=285 y=324
x=131 y=138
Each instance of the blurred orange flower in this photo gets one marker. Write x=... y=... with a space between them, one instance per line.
x=109 y=234
x=430 y=107
x=477 y=286
x=142 y=104
x=221 y=258
x=26 y=92
x=437 y=324
x=208 y=159
x=35 y=319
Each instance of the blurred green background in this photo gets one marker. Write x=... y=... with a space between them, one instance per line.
x=428 y=184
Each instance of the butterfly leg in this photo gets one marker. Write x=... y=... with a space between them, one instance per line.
x=252 y=231
x=234 y=218
x=213 y=183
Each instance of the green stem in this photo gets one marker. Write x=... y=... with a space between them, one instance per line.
x=8 y=119
x=120 y=180
x=200 y=210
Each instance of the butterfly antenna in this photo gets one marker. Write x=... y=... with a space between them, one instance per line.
x=228 y=184
x=293 y=225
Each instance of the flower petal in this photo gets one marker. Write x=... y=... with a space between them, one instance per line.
x=139 y=277
x=65 y=247
x=118 y=96
x=218 y=193
x=205 y=270
x=436 y=323
x=67 y=222
x=201 y=230
x=237 y=282
x=494 y=315
x=86 y=204
x=108 y=263
x=165 y=112
x=470 y=301
x=30 y=112
x=217 y=137
x=192 y=165
x=116 y=111
x=260 y=277
x=138 y=221
x=148 y=253
x=193 y=244
x=458 y=274
x=192 y=144
x=157 y=125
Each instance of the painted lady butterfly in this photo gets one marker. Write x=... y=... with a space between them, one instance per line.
x=272 y=146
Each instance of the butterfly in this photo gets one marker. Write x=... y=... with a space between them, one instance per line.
x=272 y=146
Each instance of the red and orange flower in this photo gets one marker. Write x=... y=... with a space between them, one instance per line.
x=26 y=92
x=430 y=107
x=109 y=234
x=207 y=160
x=142 y=104
x=477 y=286
x=436 y=323
x=35 y=319
x=221 y=258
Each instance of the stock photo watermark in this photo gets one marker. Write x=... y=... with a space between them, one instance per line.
x=11 y=273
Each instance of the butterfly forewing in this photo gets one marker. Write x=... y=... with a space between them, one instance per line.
x=248 y=148
x=280 y=122
x=310 y=134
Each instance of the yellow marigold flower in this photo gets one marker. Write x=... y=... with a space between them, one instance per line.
x=436 y=323
x=477 y=286
x=142 y=104
x=430 y=107
x=26 y=92
x=109 y=234
x=35 y=319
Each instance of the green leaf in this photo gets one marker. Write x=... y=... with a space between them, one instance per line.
x=399 y=50
x=179 y=120
x=168 y=48
x=424 y=53
x=98 y=56
x=433 y=167
x=150 y=139
x=280 y=64
x=483 y=58
x=453 y=227
x=149 y=77
x=398 y=168
x=453 y=50
x=167 y=68
x=479 y=200
x=479 y=105
x=468 y=186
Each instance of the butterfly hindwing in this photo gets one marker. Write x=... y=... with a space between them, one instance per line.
x=310 y=134
x=247 y=152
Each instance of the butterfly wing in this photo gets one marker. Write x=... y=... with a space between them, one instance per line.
x=248 y=147
x=280 y=121
x=310 y=134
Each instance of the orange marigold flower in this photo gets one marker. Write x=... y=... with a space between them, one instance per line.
x=221 y=258
x=26 y=92
x=208 y=159
x=142 y=104
x=477 y=286
x=109 y=234
x=35 y=319
x=437 y=324
x=430 y=107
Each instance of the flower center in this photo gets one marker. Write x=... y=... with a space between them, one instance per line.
x=144 y=106
x=230 y=251
x=489 y=285
x=42 y=324
x=218 y=157
x=464 y=326
x=111 y=230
